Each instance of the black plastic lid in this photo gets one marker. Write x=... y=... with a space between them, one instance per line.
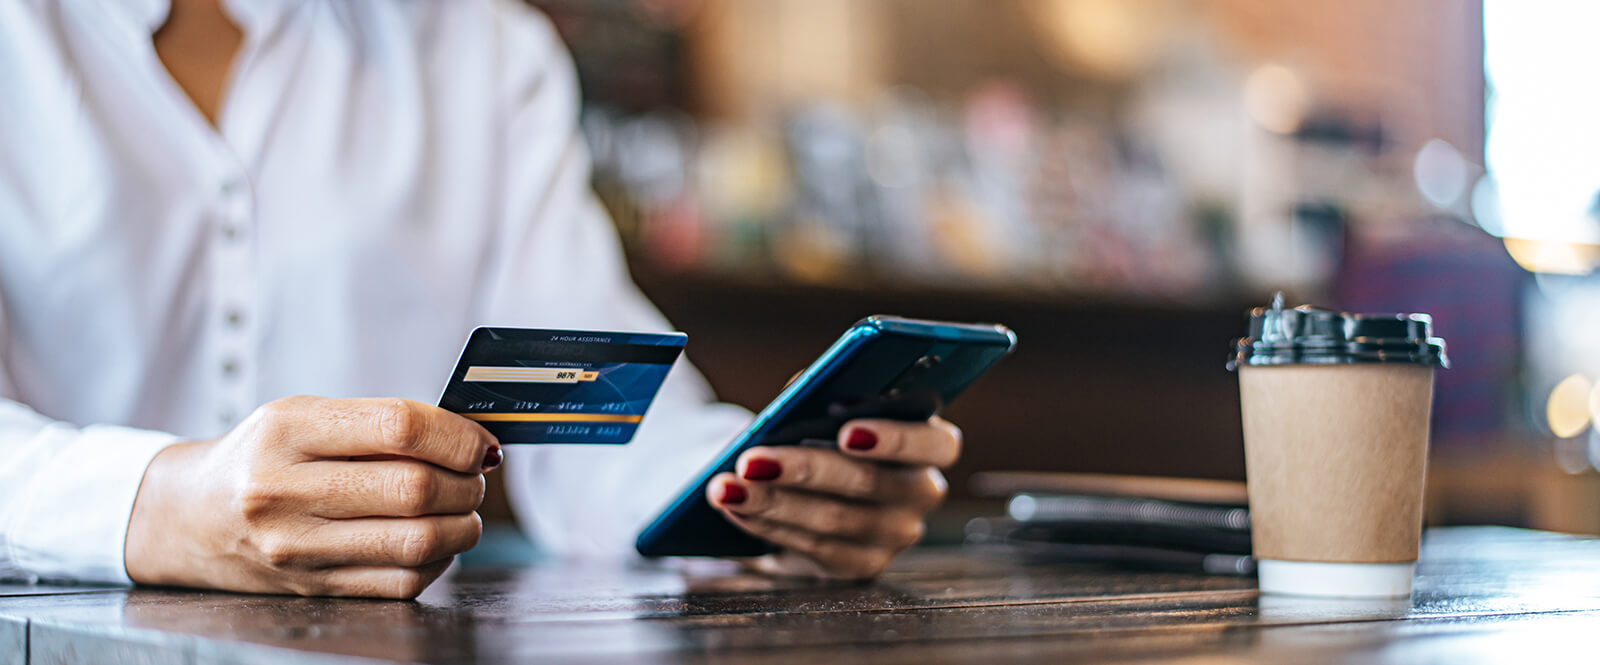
x=1309 y=335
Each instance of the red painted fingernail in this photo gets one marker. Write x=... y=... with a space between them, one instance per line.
x=761 y=468
x=861 y=439
x=492 y=458
x=734 y=494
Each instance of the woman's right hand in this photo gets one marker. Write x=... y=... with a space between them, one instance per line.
x=317 y=497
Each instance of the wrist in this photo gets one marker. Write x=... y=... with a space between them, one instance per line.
x=158 y=547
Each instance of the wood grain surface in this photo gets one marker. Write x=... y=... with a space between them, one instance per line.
x=1483 y=595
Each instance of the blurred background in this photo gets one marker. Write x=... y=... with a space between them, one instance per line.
x=1120 y=181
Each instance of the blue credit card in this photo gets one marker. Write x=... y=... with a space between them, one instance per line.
x=560 y=386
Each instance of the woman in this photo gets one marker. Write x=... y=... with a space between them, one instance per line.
x=209 y=207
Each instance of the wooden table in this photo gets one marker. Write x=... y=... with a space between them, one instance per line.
x=1483 y=595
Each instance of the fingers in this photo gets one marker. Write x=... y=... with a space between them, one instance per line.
x=870 y=524
x=374 y=542
x=829 y=472
x=375 y=582
x=936 y=442
x=842 y=513
x=399 y=488
x=359 y=427
x=832 y=557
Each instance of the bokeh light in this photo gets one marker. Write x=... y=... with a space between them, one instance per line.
x=1110 y=38
x=1543 y=136
x=1486 y=206
x=1594 y=405
x=1568 y=409
x=1276 y=98
x=1440 y=173
x=1553 y=256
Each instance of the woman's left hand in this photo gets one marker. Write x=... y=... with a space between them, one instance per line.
x=843 y=513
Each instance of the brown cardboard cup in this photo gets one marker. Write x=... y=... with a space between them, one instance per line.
x=1335 y=456
x=1336 y=409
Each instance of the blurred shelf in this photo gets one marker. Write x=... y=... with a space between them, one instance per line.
x=1098 y=384
x=977 y=295
x=1514 y=480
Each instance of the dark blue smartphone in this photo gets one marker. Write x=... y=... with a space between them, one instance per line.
x=883 y=367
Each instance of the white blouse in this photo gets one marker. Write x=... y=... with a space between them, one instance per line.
x=385 y=175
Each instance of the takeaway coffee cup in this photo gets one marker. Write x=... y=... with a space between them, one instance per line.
x=1336 y=410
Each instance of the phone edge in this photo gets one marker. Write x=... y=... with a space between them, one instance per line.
x=858 y=333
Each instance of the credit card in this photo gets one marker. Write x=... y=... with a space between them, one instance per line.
x=560 y=386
